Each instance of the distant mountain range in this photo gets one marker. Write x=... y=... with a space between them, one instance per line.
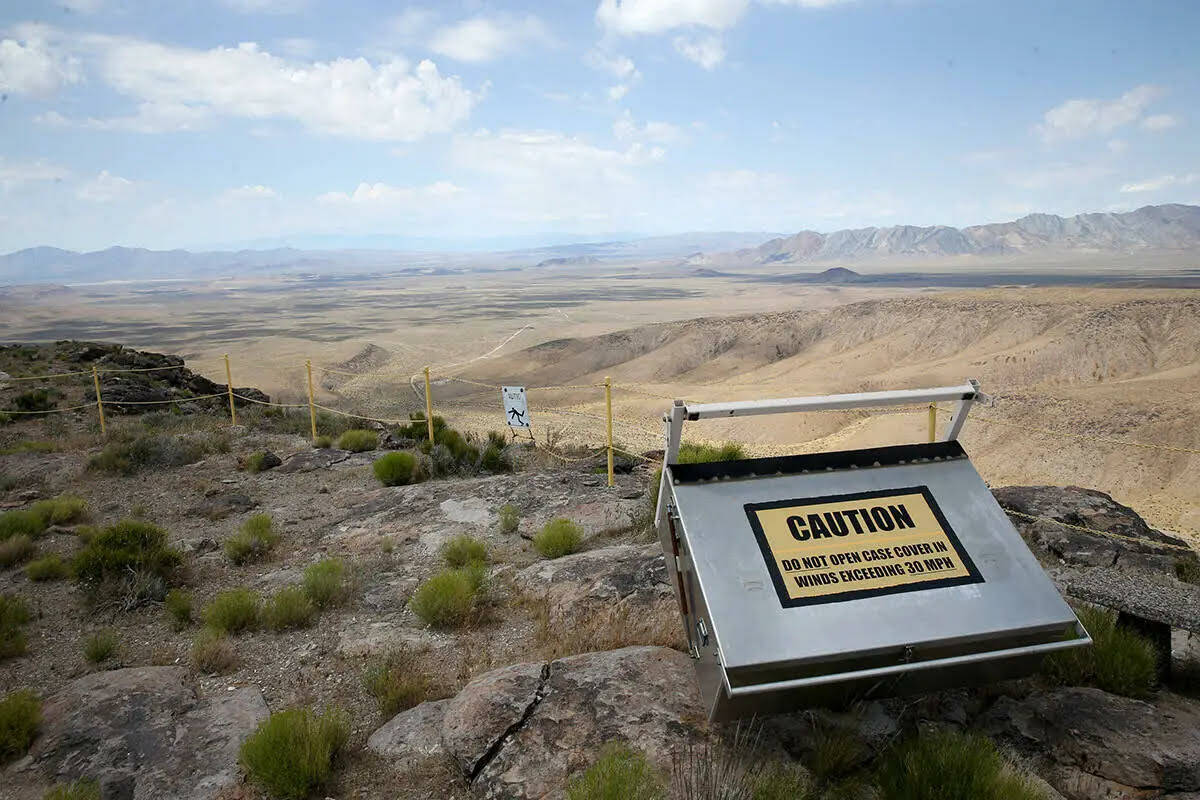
x=1166 y=227
x=1152 y=228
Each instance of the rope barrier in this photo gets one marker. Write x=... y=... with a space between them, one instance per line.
x=266 y=402
x=162 y=402
x=55 y=375
x=1109 y=534
x=52 y=410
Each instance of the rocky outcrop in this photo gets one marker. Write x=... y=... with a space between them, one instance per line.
x=145 y=733
x=1133 y=543
x=520 y=731
x=1089 y=744
x=618 y=574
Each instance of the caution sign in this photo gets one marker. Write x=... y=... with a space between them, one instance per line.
x=516 y=408
x=848 y=546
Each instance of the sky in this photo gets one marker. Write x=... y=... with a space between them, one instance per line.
x=229 y=123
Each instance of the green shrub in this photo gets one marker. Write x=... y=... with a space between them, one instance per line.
x=5 y=419
x=47 y=568
x=292 y=753
x=128 y=563
x=948 y=765
x=14 y=615
x=1187 y=569
x=100 y=646
x=61 y=510
x=776 y=780
x=446 y=600
x=1119 y=661
x=323 y=442
x=358 y=441
x=558 y=537
x=256 y=462
x=35 y=400
x=510 y=518
x=179 y=607
x=290 y=608
x=620 y=773
x=16 y=549
x=835 y=753
x=146 y=452
x=233 y=611
x=326 y=583
x=76 y=790
x=213 y=653
x=253 y=542
x=395 y=469
x=464 y=549
x=20 y=715
x=694 y=453
x=397 y=683
x=21 y=523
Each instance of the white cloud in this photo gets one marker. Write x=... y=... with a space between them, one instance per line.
x=617 y=93
x=82 y=6
x=1075 y=119
x=486 y=38
x=543 y=154
x=707 y=51
x=627 y=130
x=178 y=88
x=14 y=174
x=411 y=24
x=1156 y=184
x=32 y=67
x=105 y=188
x=266 y=6
x=248 y=192
x=619 y=66
x=1117 y=146
x=1159 y=122
x=382 y=194
x=658 y=16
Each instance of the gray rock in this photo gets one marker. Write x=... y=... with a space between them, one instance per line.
x=621 y=573
x=411 y=736
x=1098 y=742
x=270 y=461
x=1134 y=542
x=223 y=505
x=146 y=733
x=312 y=460
x=199 y=545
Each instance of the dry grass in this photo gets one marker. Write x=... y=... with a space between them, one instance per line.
x=590 y=629
x=213 y=653
x=398 y=683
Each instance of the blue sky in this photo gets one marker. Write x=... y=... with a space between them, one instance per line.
x=216 y=122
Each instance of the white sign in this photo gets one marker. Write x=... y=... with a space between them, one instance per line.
x=516 y=409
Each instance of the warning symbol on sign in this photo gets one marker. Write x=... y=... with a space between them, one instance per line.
x=516 y=409
x=848 y=546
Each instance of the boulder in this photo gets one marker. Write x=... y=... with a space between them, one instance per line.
x=1133 y=544
x=521 y=731
x=618 y=574
x=222 y=505
x=145 y=732
x=1097 y=744
x=312 y=460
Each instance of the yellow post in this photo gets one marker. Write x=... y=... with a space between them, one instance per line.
x=933 y=422
x=428 y=407
x=608 y=412
x=99 y=402
x=229 y=385
x=312 y=411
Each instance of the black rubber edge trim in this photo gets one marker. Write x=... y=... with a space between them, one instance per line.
x=839 y=459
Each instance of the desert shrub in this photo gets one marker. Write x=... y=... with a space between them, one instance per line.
x=292 y=752
x=711 y=770
x=85 y=533
x=326 y=583
x=21 y=522
x=14 y=615
x=1187 y=568
x=213 y=653
x=48 y=568
x=446 y=600
x=35 y=400
x=289 y=608
x=31 y=446
x=100 y=646
x=464 y=549
x=15 y=550
x=20 y=715
x=82 y=789
x=836 y=753
x=147 y=452
x=776 y=780
x=358 y=440
x=128 y=563
x=5 y=418
x=323 y=442
x=695 y=453
x=397 y=683
x=61 y=510
x=510 y=518
x=253 y=542
x=395 y=469
x=256 y=462
x=620 y=773
x=233 y=611
x=948 y=764
x=417 y=429
x=568 y=631
x=1120 y=660
x=179 y=608
x=558 y=537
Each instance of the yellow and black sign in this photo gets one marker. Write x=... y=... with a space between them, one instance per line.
x=847 y=546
